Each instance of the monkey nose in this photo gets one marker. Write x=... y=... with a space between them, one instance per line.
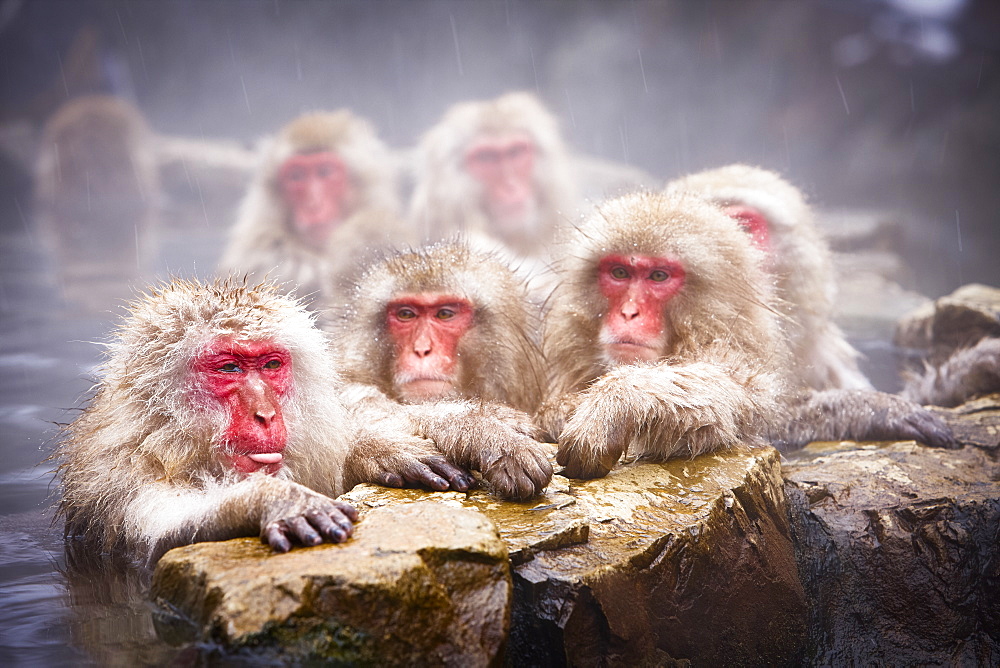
x=264 y=416
x=630 y=311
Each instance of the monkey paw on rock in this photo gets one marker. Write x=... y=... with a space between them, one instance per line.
x=594 y=438
x=298 y=514
x=398 y=460
x=521 y=470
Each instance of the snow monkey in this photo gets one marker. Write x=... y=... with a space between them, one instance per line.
x=323 y=194
x=495 y=168
x=662 y=338
x=441 y=349
x=834 y=400
x=217 y=416
x=97 y=187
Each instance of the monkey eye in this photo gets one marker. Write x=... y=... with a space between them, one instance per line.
x=620 y=273
x=230 y=367
x=273 y=364
x=486 y=156
x=406 y=314
x=296 y=175
x=445 y=314
x=658 y=275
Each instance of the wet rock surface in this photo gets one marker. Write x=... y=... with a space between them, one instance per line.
x=424 y=584
x=656 y=563
x=957 y=320
x=898 y=547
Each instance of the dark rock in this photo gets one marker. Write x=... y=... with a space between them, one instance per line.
x=898 y=550
x=424 y=584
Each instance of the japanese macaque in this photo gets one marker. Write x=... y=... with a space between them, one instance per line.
x=97 y=187
x=828 y=396
x=323 y=195
x=780 y=222
x=662 y=338
x=496 y=169
x=441 y=352
x=217 y=416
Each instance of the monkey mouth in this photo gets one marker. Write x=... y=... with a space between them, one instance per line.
x=424 y=387
x=623 y=351
x=267 y=462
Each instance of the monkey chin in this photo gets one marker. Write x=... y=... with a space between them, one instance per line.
x=630 y=353
x=425 y=389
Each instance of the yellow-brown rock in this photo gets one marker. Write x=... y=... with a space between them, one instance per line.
x=425 y=584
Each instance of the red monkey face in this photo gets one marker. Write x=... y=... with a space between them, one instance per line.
x=505 y=166
x=425 y=331
x=753 y=222
x=315 y=187
x=249 y=379
x=637 y=288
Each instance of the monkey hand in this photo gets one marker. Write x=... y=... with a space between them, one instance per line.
x=595 y=436
x=910 y=421
x=494 y=439
x=296 y=513
x=403 y=459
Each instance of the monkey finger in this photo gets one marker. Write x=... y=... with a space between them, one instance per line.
x=932 y=430
x=274 y=534
x=390 y=479
x=345 y=523
x=347 y=510
x=460 y=480
x=422 y=474
x=303 y=531
x=325 y=525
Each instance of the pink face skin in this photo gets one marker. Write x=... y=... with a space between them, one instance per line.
x=753 y=222
x=249 y=379
x=315 y=187
x=426 y=329
x=637 y=288
x=505 y=166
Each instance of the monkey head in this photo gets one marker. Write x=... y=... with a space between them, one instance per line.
x=324 y=166
x=448 y=321
x=650 y=276
x=769 y=208
x=229 y=365
x=501 y=161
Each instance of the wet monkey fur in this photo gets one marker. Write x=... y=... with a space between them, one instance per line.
x=440 y=350
x=662 y=338
x=828 y=397
x=216 y=416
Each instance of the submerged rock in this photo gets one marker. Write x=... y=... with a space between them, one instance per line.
x=422 y=584
x=655 y=563
x=958 y=320
x=898 y=550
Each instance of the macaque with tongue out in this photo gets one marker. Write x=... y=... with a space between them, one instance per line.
x=218 y=415
x=323 y=198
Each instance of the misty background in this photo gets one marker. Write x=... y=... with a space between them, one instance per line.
x=878 y=104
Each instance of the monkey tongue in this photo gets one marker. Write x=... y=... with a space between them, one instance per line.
x=266 y=457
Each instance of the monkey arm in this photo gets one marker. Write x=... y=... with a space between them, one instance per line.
x=967 y=373
x=388 y=450
x=552 y=415
x=162 y=516
x=490 y=437
x=860 y=415
x=664 y=410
